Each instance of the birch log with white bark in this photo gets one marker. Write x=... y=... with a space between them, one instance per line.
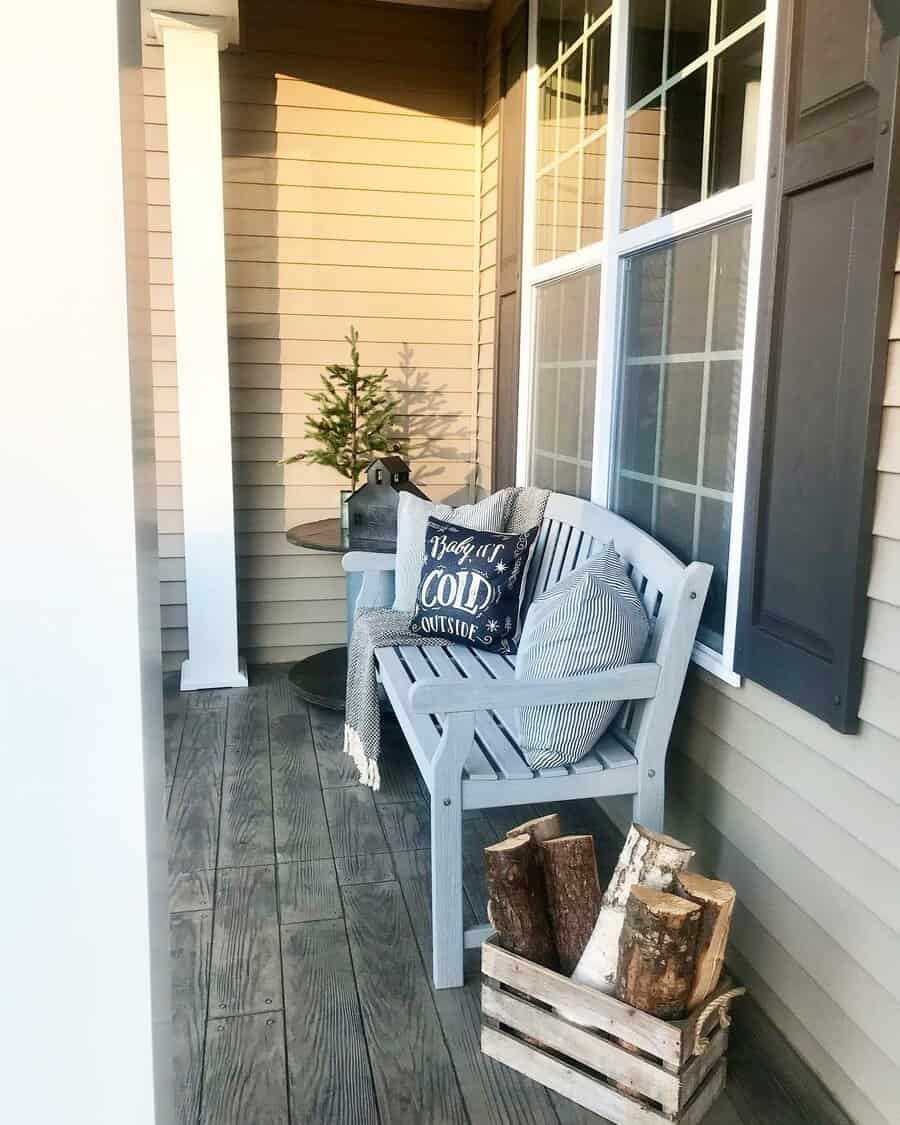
x=649 y=858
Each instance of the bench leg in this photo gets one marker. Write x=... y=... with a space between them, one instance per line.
x=446 y=889
x=650 y=799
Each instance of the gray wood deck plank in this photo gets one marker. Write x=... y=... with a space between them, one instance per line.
x=406 y=826
x=190 y=890
x=283 y=699
x=768 y=1082
x=174 y=729
x=336 y=768
x=414 y=876
x=209 y=700
x=400 y=780
x=494 y=1094
x=246 y=971
x=301 y=830
x=328 y=1063
x=353 y=821
x=426 y=1064
x=308 y=892
x=247 y=835
x=373 y=867
x=415 y=1082
x=189 y=951
x=477 y=835
x=245 y=1074
x=193 y=819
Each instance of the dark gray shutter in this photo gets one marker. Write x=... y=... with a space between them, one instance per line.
x=830 y=242
x=510 y=193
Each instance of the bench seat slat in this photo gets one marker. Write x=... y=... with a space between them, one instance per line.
x=422 y=662
x=421 y=733
x=494 y=666
x=495 y=754
x=497 y=736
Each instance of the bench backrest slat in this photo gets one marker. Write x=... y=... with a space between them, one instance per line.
x=574 y=530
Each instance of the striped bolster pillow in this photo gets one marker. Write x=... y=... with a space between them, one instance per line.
x=591 y=621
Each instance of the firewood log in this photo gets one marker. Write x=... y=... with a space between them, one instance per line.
x=539 y=829
x=648 y=858
x=573 y=894
x=716 y=900
x=517 y=902
x=657 y=952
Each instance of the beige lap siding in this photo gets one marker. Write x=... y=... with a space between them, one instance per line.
x=349 y=141
x=806 y=823
x=498 y=17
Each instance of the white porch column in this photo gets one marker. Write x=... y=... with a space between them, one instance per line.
x=191 y=46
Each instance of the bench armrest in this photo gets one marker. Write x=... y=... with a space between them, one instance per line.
x=435 y=697
x=361 y=561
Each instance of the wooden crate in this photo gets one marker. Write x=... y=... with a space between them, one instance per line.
x=625 y=1065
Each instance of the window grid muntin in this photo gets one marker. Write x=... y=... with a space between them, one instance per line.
x=708 y=59
x=544 y=170
x=663 y=361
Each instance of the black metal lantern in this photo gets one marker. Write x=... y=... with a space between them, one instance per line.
x=372 y=508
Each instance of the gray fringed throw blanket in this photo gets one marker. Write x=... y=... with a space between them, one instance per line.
x=523 y=508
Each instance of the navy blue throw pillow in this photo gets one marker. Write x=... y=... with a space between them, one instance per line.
x=470 y=585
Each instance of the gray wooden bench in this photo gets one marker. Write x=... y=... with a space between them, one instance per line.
x=457 y=707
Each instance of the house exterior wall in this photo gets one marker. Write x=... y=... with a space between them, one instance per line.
x=498 y=17
x=350 y=139
x=805 y=822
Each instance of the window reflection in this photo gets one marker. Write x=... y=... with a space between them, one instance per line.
x=678 y=396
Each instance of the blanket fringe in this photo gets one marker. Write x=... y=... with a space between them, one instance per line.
x=368 y=767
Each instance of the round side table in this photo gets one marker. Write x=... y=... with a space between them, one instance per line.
x=322 y=679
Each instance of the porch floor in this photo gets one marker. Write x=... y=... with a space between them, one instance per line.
x=300 y=939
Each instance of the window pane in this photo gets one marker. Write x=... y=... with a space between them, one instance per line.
x=570 y=103
x=640 y=201
x=548 y=106
x=732 y=248
x=597 y=99
x=677 y=399
x=567 y=206
x=675 y=521
x=593 y=187
x=646 y=39
x=715 y=531
x=549 y=12
x=735 y=13
x=572 y=23
x=688 y=295
x=637 y=438
x=562 y=428
x=688 y=32
x=573 y=101
x=544 y=204
x=683 y=160
x=679 y=447
x=735 y=101
x=688 y=135
x=721 y=424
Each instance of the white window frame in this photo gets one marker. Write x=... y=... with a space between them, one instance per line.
x=745 y=200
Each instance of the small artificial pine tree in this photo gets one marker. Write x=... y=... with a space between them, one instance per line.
x=357 y=418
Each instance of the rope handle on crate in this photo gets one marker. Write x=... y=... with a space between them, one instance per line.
x=717 y=1007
